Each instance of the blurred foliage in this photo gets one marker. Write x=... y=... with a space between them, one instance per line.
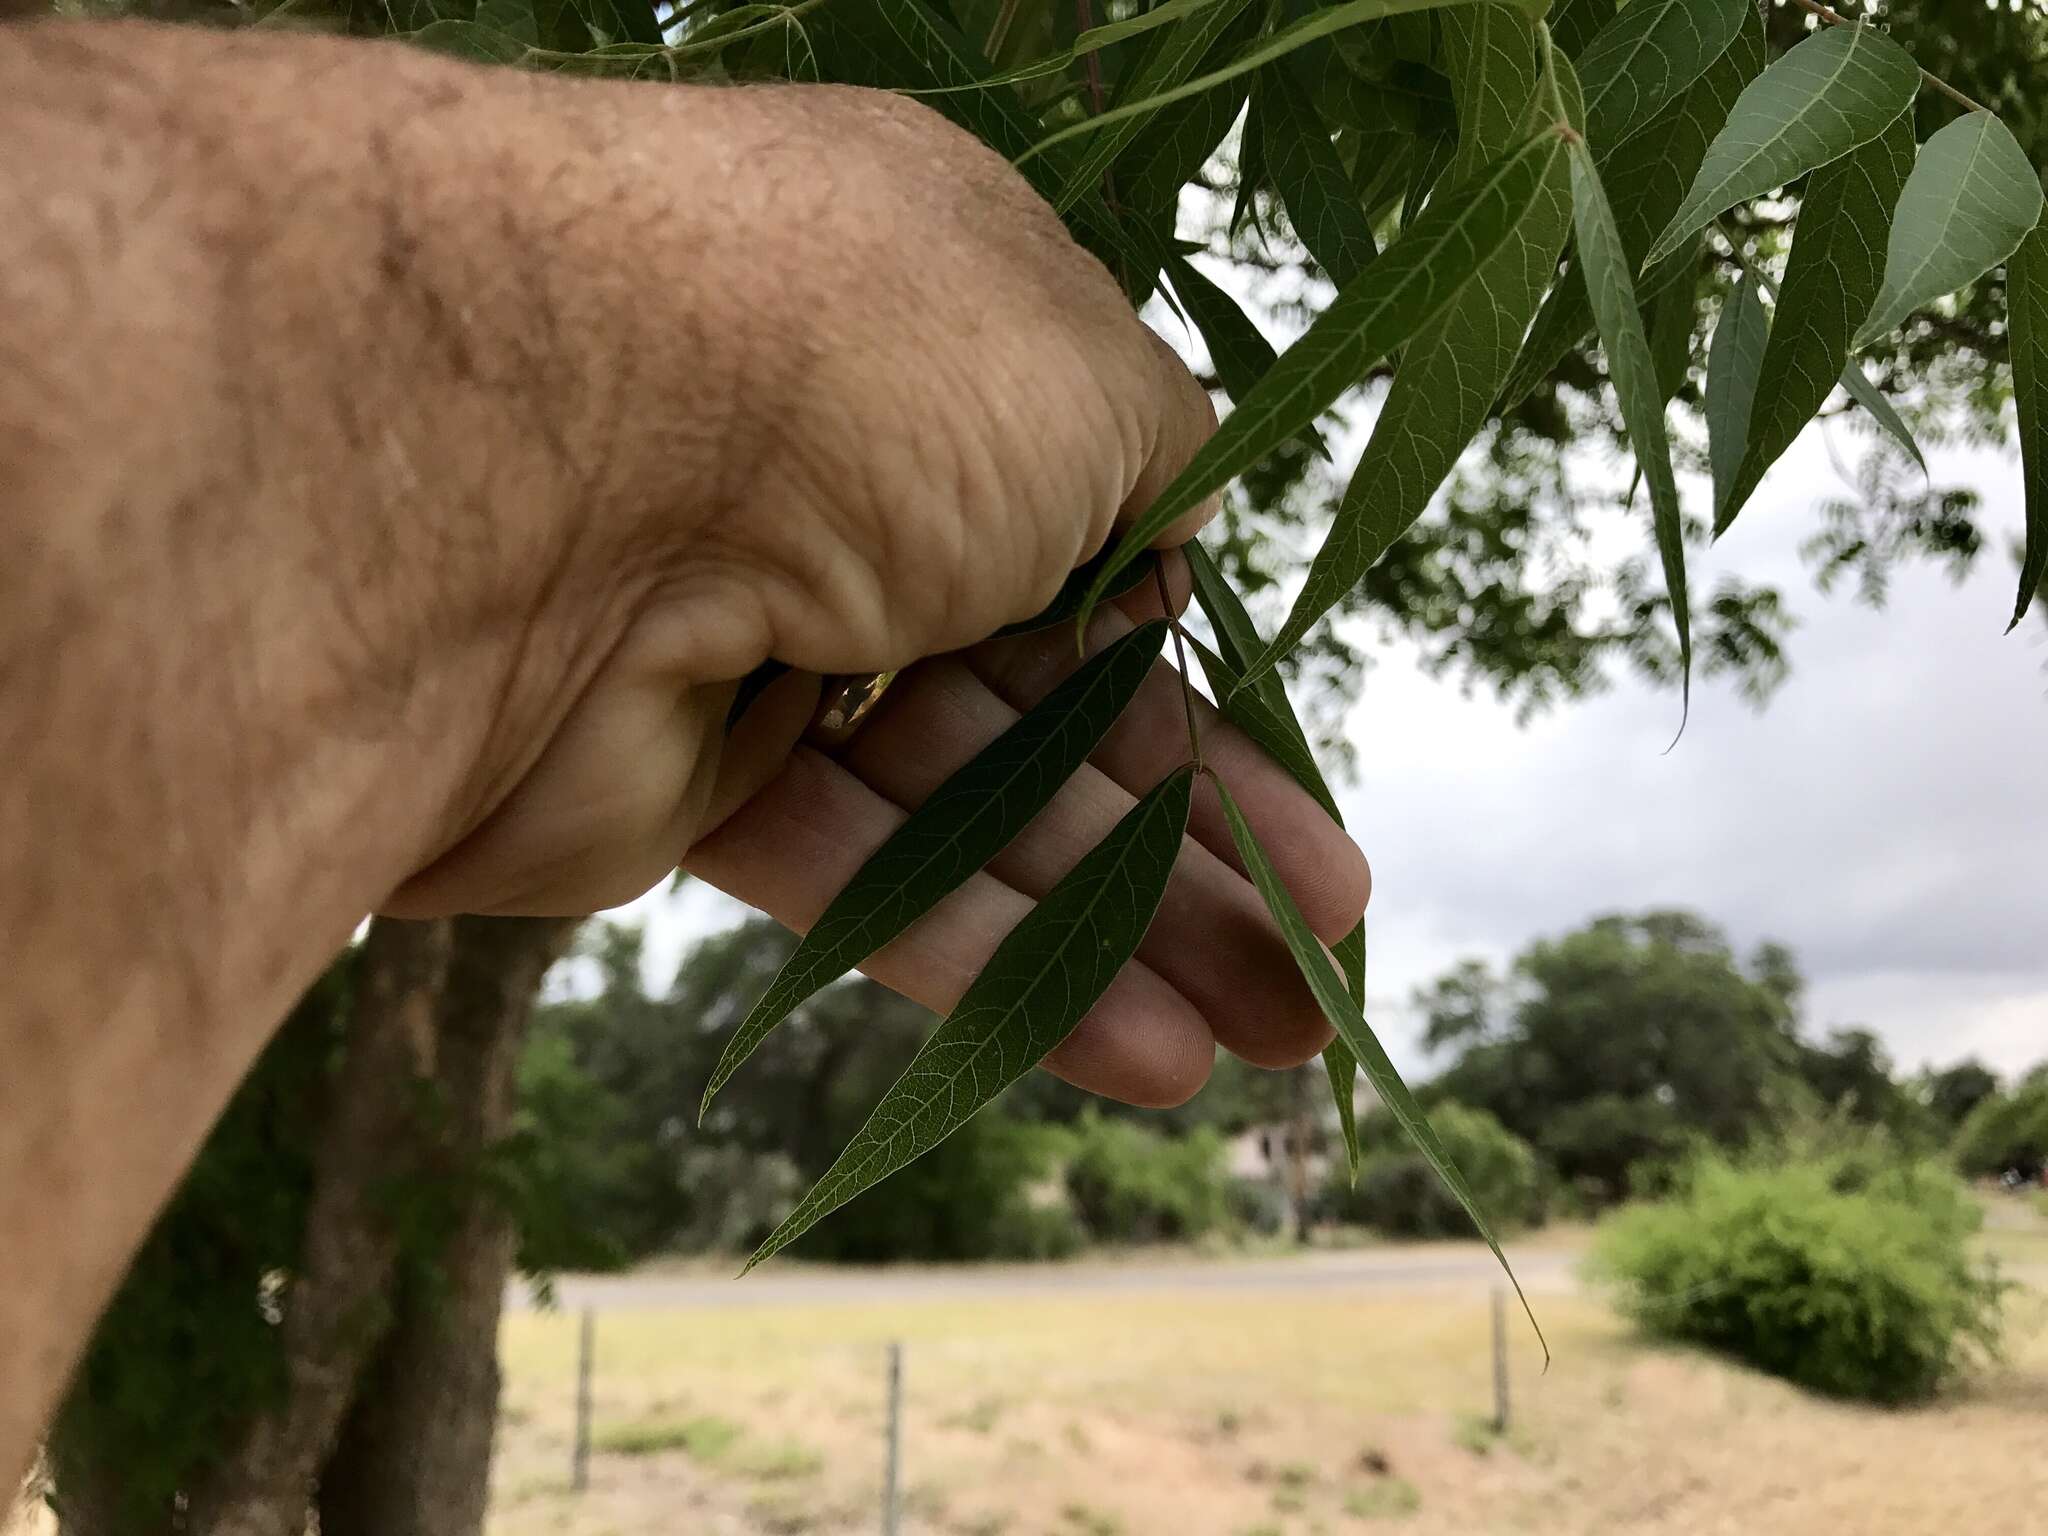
x=1846 y=1272
x=1128 y=1183
x=1398 y=1193
x=2007 y=1132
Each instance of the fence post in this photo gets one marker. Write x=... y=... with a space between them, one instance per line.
x=1500 y=1362
x=586 y=1349
x=893 y=1467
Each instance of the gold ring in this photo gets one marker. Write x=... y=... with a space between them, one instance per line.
x=845 y=702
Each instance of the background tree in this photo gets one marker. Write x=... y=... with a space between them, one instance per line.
x=1619 y=1045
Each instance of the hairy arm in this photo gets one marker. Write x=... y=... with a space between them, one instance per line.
x=401 y=463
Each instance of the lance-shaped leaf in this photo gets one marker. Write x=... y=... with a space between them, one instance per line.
x=1310 y=179
x=1669 y=308
x=1853 y=380
x=1649 y=173
x=1266 y=703
x=1873 y=400
x=1490 y=53
x=1443 y=392
x=1416 y=279
x=1971 y=199
x=1734 y=363
x=1348 y=1019
x=1160 y=78
x=1840 y=88
x=1153 y=88
x=1340 y=1063
x=1830 y=282
x=964 y=823
x=2026 y=290
x=1642 y=59
x=1041 y=981
x=1575 y=23
x=1635 y=381
x=1067 y=601
x=1238 y=349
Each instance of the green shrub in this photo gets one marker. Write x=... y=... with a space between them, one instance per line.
x=1129 y=1184
x=2006 y=1130
x=970 y=1197
x=1844 y=1277
x=1399 y=1193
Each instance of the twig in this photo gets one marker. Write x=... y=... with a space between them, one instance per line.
x=1180 y=650
x=1927 y=77
x=1091 y=69
x=999 y=30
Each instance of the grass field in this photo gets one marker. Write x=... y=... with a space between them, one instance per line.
x=1286 y=1414
x=1186 y=1410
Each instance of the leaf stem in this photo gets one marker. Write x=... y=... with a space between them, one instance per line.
x=1180 y=653
x=1927 y=77
x=999 y=31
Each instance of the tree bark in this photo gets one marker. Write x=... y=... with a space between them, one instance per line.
x=414 y=1454
x=338 y=1305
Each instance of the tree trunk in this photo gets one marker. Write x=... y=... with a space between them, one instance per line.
x=337 y=1306
x=414 y=1455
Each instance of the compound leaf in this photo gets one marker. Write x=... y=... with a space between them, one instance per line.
x=1830 y=282
x=1041 y=981
x=964 y=823
x=1839 y=88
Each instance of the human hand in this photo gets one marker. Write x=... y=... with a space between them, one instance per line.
x=950 y=406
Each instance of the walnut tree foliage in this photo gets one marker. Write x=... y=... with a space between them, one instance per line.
x=1520 y=221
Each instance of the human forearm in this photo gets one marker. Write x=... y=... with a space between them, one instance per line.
x=322 y=435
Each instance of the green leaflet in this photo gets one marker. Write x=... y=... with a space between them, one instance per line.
x=1838 y=89
x=1872 y=399
x=1287 y=744
x=1635 y=382
x=1040 y=982
x=1067 y=601
x=1734 y=363
x=1444 y=390
x=1416 y=279
x=1670 y=297
x=1647 y=55
x=1161 y=78
x=1305 y=171
x=1853 y=380
x=966 y=821
x=1237 y=347
x=1650 y=173
x=1339 y=1060
x=1575 y=23
x=1158 y=86
x=1490 y=52
x=1348 y=1019
x=1971 y=199
x=2026 y=291
x=1830 y=281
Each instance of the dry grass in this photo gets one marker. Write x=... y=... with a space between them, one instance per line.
x=1285 y=1414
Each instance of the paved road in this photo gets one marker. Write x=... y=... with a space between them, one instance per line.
x=1459 y=1267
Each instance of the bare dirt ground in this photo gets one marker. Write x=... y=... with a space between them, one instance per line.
x=1337 y=1393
